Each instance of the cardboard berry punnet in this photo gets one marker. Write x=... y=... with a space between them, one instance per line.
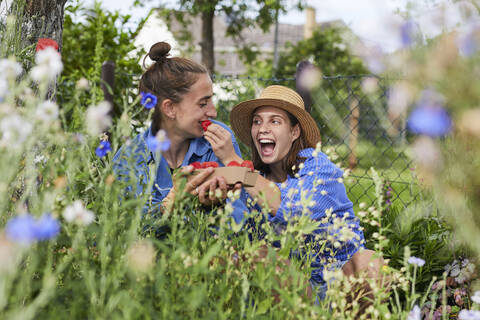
x=233 y=173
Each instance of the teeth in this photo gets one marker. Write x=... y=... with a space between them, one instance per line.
x=266 y=141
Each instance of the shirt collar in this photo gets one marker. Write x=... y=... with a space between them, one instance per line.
x=198 y=146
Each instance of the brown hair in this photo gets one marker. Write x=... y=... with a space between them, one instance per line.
x=168 y=78
x=292 y=158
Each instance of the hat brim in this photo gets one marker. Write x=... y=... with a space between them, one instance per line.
x=241 y=118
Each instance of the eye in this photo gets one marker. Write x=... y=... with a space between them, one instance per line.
x=276 y=121
x=256 y=121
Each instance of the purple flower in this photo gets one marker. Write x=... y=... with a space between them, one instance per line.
x=416 y=261
x=103 y=148
x=47 y=227
x=407 y=30
x=21 y=229
x=148 y=100
x=429 y=117
x=467 y=42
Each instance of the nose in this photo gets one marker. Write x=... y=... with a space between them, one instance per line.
x=264 y=128
x=211 y=111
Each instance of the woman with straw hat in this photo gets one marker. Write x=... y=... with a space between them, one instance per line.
x=285 y=143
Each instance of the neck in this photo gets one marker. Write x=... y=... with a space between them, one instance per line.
x=178 y=147
x=277 y=172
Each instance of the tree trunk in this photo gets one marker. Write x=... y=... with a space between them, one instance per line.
x=42 y=19
x=207 y=44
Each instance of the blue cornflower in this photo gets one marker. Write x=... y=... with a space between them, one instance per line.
x=103 y=148
x=21 y=229
x=158 y=143
x=47 y=227
x=429 y=117
x=467 y=43
x=148 y=100
x=416 y=261
x=407 y=33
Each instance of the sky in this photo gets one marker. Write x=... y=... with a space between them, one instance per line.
x=373 y=21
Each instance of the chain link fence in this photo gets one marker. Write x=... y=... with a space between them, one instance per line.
x=351 y=112
x=354 y=123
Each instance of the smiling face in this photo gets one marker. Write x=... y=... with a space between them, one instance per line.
x=273 y=134
x=196 y=106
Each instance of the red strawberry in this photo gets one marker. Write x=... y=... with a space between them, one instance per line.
x=248 y=164
x=209 y=164
x=233 y=164
x=43 y=43
x=196 y=165
x=205 y=124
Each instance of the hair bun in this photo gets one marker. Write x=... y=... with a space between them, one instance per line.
x=159 y=51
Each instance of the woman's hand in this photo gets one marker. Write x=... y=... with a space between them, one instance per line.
x=192 y=186
x=212 y=191
x=221 y=141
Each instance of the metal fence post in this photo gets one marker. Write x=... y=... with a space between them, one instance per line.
x=107 y=82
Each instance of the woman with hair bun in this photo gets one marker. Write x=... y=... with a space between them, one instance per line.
x=180 y=91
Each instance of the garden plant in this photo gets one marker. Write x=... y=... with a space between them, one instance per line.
x=74 y=244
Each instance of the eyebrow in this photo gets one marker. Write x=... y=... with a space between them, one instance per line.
x=205 y=97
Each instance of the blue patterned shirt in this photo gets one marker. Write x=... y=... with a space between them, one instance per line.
x=317 y=190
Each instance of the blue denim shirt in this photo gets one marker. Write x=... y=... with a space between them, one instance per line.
x=137 y=157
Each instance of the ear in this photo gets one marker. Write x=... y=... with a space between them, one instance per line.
x=168 y=108
x=295 y=132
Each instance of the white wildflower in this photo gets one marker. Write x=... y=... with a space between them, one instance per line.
x=476 y=297
x=3 y=88
x=98 y=119
x=39 y=158
x=469 y=315
x=82 y=84
x=49 y=65
x=141 y=256
x=415 y=314
x=77 y=213
x=15 y=130
x=323 y=192
x=10 y=69
x=416 y=261
x=47 y=111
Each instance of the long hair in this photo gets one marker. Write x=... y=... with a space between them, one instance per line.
x=291 y=159
x=168 y=78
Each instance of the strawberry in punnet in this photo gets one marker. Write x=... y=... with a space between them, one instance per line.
x=205 y=124
x=233 y=164
x=248 y=164
x=196 y=165
x=209 y=164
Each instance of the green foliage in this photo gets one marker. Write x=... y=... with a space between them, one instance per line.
x=326 y=49
x=239 y=16
x=91 y=37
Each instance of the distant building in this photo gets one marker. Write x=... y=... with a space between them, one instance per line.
x=227 y=61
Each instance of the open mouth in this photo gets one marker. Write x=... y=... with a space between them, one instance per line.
x=267 y=146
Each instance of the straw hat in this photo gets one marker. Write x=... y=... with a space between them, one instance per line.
x=274 y=96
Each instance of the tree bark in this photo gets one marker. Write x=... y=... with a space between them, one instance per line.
x=207 y=44
x=42 y=19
